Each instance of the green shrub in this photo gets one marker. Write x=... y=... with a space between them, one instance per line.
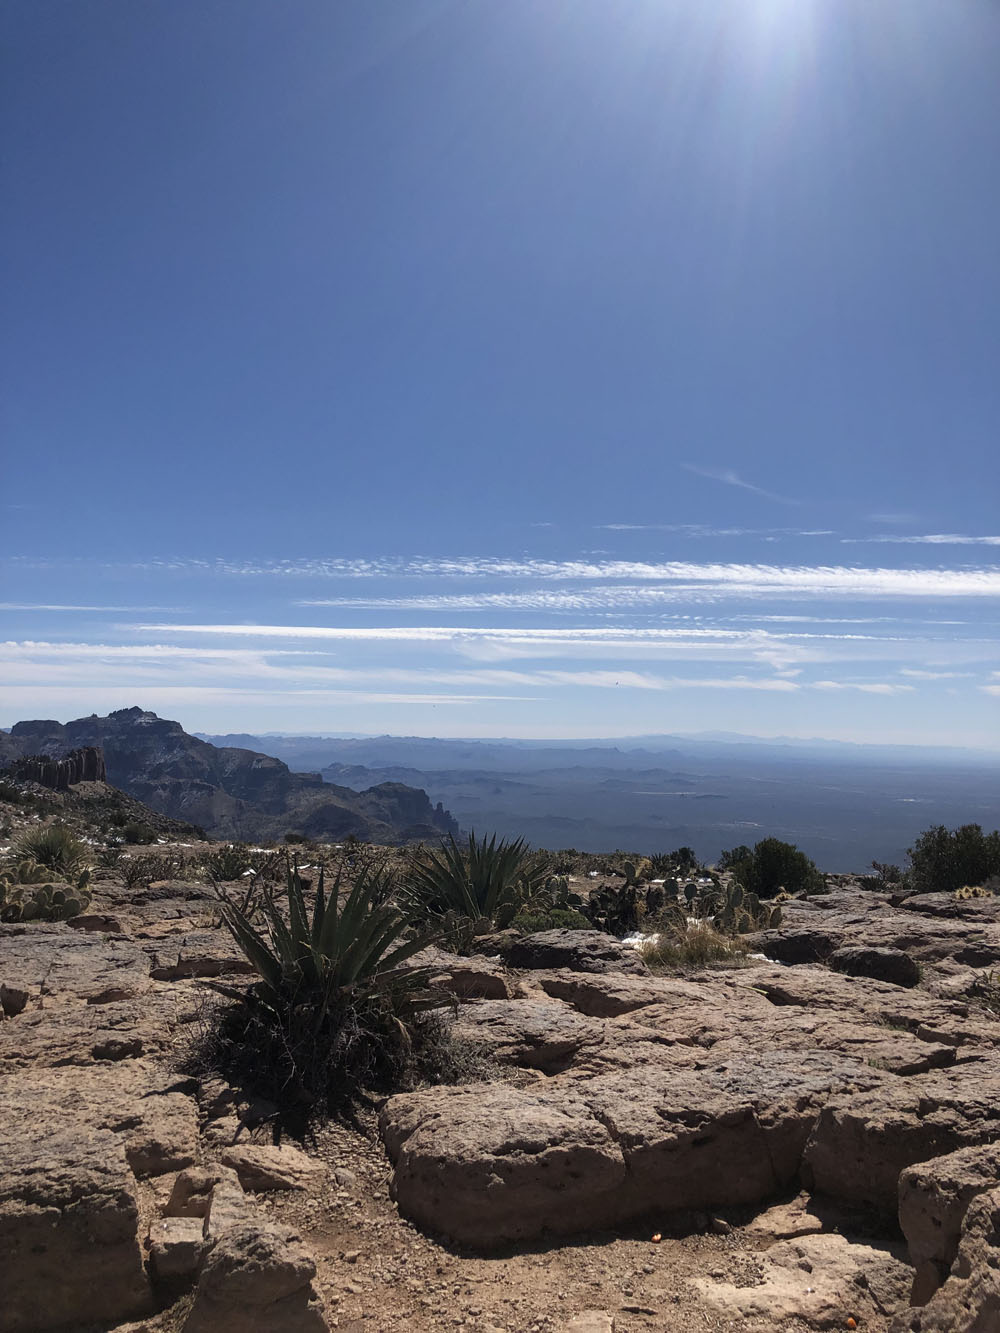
x=140 y=871
x=336 y=1008
x=558 y=918
x=942 y=861
x=56 y=849
x=138 y=834
x=771 y=867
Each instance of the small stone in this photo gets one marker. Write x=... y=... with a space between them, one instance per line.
x=176 y=1247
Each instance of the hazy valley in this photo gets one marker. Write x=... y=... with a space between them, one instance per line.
x=844 y=805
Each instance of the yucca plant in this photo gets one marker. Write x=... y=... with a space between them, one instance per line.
x=336 y=1007
x=55 y=848
x=473 y=888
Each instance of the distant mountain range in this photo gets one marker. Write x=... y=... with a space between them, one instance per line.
x=230 y=791
x=845 y=805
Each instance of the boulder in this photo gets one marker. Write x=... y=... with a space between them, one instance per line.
x=861 y=1143
x=934 y=1197
x=256 y=1279
x=891 y=965
x=68 y=1226
x=577 y=950
x=495 y=1163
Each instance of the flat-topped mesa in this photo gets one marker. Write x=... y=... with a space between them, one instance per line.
x=85 y=764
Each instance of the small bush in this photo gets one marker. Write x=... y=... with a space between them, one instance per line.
x=11 y=793
x=139 y=835
x=771 y=867
x=56 y=849
x=943 y=861
x=140 y=871
x=699 y=946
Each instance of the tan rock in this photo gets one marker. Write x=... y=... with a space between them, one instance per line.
x=68 y=1227
x=192 y=1190
x=935 y=1196
x=271 y=1167
x=969 y=1302
x=494 y=1162
x=862 y=1143
x=176 y=1248
x=228 y=1208
x=166 y=1136
x=257 y=1279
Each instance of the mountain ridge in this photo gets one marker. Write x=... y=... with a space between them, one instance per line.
x=227 y=790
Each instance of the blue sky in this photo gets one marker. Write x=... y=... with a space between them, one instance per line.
x=524 y=367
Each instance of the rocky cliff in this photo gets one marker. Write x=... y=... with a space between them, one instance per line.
x=228 y=791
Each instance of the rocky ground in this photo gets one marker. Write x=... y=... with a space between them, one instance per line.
x=809 y=1142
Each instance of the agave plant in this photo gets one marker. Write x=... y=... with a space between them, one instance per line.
x=336 y=1007
x=473 y=888
x=328 y=949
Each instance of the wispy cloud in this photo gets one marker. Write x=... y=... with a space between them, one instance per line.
x=690 y=579
x=866 y=687
x=923 y=539
x=693 y=580
x=917 y=674
x=730 y=478
x=56 y=606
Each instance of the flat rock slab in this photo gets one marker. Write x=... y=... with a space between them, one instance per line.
x=536 y=1034
x=820 y=1281
x=465 y=978
x=51 y=1035
x=494 y=1163
x=195 y=953
x=577 y=950
x=952 y=1022
x=608 y=996
x=53 y=960
x=261 y=1168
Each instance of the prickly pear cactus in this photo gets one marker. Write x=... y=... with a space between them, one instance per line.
x=28 y=893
